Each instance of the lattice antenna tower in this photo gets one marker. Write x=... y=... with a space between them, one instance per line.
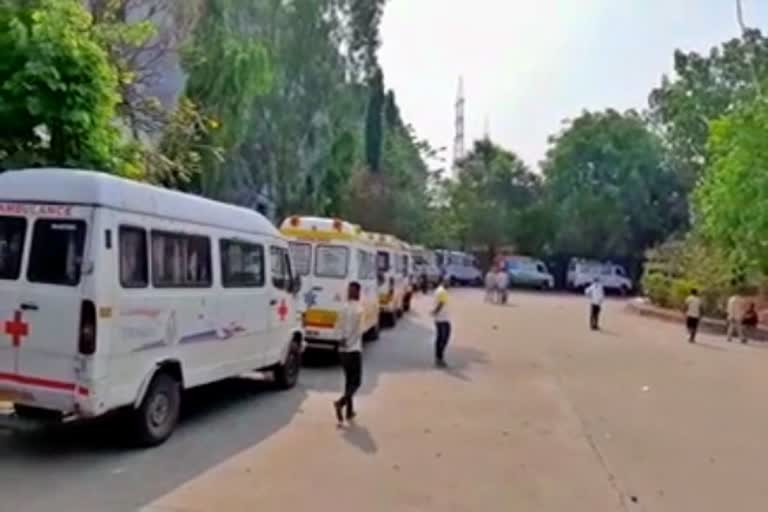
x=458 y=141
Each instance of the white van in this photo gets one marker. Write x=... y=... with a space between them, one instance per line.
x=583 y=272
x=116 y=294
x=329 y=254
x=459 y=268
x=392 y=264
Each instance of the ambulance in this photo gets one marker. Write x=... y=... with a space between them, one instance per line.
x=117 y=295
x=392 y=271
x=329 y=254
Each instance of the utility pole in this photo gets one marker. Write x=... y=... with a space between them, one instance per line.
x=458 y=142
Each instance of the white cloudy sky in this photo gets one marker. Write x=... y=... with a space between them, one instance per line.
x=528 y=64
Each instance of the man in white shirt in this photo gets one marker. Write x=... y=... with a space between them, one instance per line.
x=350 y=353
x=692 y=314
x=442 y=324
x=596 y=295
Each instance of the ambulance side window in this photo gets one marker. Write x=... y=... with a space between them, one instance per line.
x=180 y=260
x=12 y=234
x=242 y=264
x=134 y=264
x=57 y=252
x=281 y=273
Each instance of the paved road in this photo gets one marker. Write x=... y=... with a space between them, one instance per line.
x=536 y=413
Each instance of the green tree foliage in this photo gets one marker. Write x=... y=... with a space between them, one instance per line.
x=704 y=88
x=608 y=187
x=58 y=89
x=732 y=198
x=489 y=201
x=374 y=123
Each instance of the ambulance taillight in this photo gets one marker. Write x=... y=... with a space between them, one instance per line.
x=87 y=342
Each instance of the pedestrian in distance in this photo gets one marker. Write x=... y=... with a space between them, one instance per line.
x=735 y=313
x=442 y=324
x=490 y=285
x=351 y=354
x=502 y=283
x=693 y=314
x=749 y=322
x=596 y=294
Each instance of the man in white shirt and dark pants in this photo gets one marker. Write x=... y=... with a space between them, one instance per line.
x=692 y=314
x=351 y=353
x=596 y=295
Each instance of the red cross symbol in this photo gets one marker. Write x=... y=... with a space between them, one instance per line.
x=16 y=329
x=282 y=310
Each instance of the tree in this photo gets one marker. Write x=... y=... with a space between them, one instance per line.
x=732 y=198
x=609 y=188
x=704 y=88
x=494 y=188
x=59 y=91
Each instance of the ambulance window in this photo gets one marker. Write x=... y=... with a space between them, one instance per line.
x=382 y=261
x=406 y=266
x=134 y=266
x=331 y=261
x=281 y=276
x=365 y=265
x=302 y=257
x=242 y=264
x=180 y=260
x=57 y=252
x=12 y=233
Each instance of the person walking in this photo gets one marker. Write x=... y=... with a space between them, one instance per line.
x=351 y=354
x=442 y=324
x=693 y=314
x=749 y=322
x=596 y=294
x=490 y=284
x=735 y=312
x=502 y=283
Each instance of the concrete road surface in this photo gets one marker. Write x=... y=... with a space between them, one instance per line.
x=536 y=413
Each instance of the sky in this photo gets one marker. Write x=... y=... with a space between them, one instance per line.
x=528 y=65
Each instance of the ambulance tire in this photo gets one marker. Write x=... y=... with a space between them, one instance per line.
x=388 y=320
x=373 y=334
x=157 y=417
x=286 y=374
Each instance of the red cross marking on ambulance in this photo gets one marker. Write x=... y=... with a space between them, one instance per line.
x=17 y=329
x=282 y=310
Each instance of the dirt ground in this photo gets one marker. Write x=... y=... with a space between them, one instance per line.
x=535 y=413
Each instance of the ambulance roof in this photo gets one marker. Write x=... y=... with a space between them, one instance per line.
x=100 y=189
x=321 y=228
x=387 y=241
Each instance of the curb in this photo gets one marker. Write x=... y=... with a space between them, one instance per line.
x=643 y=307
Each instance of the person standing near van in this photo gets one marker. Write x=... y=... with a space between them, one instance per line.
x=490 y=284
x=442 y=323
x=596 y=294
x=351 y=353
x=502 y=283
x=749 y=322
x=693 y=314
x=735 y=312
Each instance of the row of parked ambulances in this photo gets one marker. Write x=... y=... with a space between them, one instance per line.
x=116 y=296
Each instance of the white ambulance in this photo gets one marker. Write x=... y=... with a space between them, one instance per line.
x=119 y=295
x=392 y=270
x=329 y=254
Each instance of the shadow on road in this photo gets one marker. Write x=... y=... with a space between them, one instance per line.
x=218 y=421
x=407 y=348
x=359 y=436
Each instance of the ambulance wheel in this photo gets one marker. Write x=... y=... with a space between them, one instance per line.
x=158 y=415
x=372 y=334
x=287 y=374
x=388 y=320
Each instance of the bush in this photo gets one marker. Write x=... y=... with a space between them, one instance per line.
x=656 y=288
x=676 y=268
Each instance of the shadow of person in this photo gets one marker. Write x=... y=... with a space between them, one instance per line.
x=359 y=436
